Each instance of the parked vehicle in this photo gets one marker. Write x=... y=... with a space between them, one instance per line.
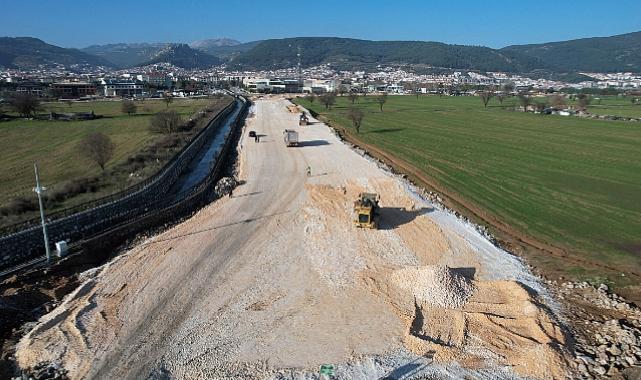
x=290 y=137
x=303 y=120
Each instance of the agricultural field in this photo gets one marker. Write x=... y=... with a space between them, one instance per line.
x=568 y=182
x=55 y=146
x=617 y=106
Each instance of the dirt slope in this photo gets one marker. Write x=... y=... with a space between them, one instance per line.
x=275 y=281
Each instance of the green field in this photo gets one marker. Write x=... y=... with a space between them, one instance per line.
x=54 y=145
x=612 y=105
x=574 y=183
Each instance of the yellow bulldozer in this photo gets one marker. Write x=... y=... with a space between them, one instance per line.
x=366 y=213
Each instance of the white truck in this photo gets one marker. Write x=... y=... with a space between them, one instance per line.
x=290 y=137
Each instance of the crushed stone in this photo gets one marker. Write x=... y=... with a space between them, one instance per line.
x=437 y=285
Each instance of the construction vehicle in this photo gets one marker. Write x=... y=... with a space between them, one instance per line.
x=290 y=137
x=366 y=209
x=303 y=120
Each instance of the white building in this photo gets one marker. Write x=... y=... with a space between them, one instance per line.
x=121 y=87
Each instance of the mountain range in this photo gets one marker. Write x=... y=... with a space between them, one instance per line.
x=346 y=53
x=597 y=54
x=30 y=53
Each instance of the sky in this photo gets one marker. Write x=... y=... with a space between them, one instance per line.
x=80 y=23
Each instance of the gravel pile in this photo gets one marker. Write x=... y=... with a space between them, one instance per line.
x=437 y=285
x=44 y=371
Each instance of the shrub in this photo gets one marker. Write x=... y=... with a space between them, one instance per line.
x=19 y=206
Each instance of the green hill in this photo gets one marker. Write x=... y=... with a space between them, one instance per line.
x=27 y=53
x=598 y=54
x=361 y=54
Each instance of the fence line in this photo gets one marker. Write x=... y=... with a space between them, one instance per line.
x=119 y=215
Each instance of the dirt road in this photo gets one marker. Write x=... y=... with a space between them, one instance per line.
x=275 y=281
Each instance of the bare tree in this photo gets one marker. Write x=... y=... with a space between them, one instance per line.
x=128 y=107
x=485 y=97
x=25 y=104
x=352 y=97
x=356 y=116
x=525 y=101
x=167 y=98
x=98 y=147
x=328 y=99
x=508 y=87
x=583 y=101
x=557 y=101
x=165 y=122
x=311 y=97
x=413 y=87
x=500 y=97
x=540 y=106
x=381 y=99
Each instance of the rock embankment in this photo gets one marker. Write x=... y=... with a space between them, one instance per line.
x=607 y=331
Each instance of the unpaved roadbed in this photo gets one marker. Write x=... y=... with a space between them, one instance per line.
x=276 y=280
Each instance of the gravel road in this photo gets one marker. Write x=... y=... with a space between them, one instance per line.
x=275 y=281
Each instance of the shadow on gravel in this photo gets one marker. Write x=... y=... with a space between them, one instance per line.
x=392 y=217
x=216 y=227
x=312 y=143
x=247 y=194
x=410 y=369
x=467 y=272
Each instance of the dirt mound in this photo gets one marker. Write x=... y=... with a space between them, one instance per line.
x=437 y=285
x=479 y=323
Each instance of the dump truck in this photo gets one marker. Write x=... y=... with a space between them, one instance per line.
x=366 y=211
x=290 y=137
x=303 y=120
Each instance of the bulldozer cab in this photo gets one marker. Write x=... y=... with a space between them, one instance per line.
x=366 y=211
x=364 y=216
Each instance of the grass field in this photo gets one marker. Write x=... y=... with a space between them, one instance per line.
x=600 y=105
x=54 y=145
x=571 y=182
x=612 y=105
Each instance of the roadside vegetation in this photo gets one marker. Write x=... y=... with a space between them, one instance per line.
x=83 y=160
x=565 y=182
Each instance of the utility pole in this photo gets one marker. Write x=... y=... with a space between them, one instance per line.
x=39 y=190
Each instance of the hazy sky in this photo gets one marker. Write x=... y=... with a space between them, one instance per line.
x=472 y=22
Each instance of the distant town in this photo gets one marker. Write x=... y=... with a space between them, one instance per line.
x=84 y=82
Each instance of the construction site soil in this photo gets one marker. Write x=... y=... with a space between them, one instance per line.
x=275 y=281
x=509 y=238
